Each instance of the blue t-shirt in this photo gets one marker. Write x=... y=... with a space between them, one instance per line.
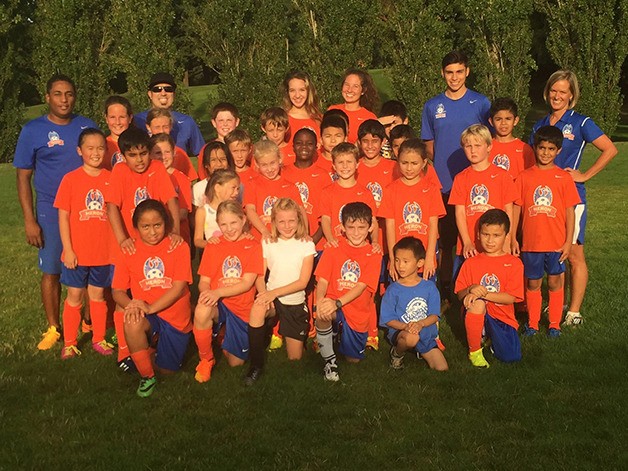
x=185 y=131
x=577 y=130
x=409 y=303
x=443 y=121
x=49 y=149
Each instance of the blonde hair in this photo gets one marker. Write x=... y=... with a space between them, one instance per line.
x=155 y=113
x=570 y=77
x=288 y=204
x=219 y=177
x=477 y=130
x=230 y=206
x=265 y=147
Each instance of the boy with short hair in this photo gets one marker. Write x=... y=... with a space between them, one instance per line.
x=477 y=189
x=275 y=124
x=398 y=135
x=410 y=308
x=488 y=286
x=347 y=277
x=546 y=198
x=392 y=114
x=225 y=118
x=333 y=132
x=508 y=152
x=240 y=147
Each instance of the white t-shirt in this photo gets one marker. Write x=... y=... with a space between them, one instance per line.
x=284 y=260
x=198 y=193
x=210 y=229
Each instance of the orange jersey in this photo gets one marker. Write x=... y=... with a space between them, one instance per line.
x=225 y=263
x=326 y=165
x=183 y=189
x=262 y=193
x=300 y=123
x=479 y=191
x=113 y=155
x=544 y=195
x=151 y=271
x=287 y=155
x=344 y=267
x=356 y=118
x=514 y=156
x=430 y=176
x=127 y=189
x=183 y=164
x=378 y=177
x=82 y=196
x=335 y=197
x=502 y=274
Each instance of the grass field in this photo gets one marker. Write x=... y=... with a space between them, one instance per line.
x=564 y=406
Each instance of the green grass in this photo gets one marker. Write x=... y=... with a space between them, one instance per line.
x=563 y=407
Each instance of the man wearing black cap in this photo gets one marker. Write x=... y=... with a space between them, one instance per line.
x=185 y=131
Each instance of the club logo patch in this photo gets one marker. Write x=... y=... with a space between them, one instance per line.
x=502 y=161
x=349 y=275
x=116 y=158
x=568 y=132
x=416 y=310
x=338 y=228
x=154 y=275
x=543 y=198
x=412 y=216
x=141 y=194
x=304 y=191
x=440 y=111
x=231 y=271
x=267 y=207
x=54 y=139
x=490 y=282
x=376 y=189
x=479 y=197
x=94 y=206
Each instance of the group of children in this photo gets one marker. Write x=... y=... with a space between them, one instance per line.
x=306 y=224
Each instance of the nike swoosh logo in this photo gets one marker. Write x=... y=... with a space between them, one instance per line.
x=425 y=190
x=244 y=350
x=180 y=122
x=386 y=172
x=84 y=127
x=285 y=186
x=518 y=150
x=315 y=174
x=151 y=174
x=472 y=101
x=360 y=193
x=361 y=351
x=557 y=176
x=246 y=247
x=495 y=176
x=508 y=264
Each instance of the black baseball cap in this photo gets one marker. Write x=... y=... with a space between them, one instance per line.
x=161 y=77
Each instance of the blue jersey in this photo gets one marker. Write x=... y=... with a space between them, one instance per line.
x=185 y=131
x=577 y=130
x=443 y=121
x=409 y=303
x=49 y=150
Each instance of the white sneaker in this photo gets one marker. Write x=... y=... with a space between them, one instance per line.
x=573 y=318
x=331 y=371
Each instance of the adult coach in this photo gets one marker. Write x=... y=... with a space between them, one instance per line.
x=444 y=118
x=185 y=131
x=45 y=152
x=561 y=94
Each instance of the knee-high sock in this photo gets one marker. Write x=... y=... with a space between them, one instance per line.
x=474 y=323
x=71 y=322
x=203 y=339
x=556 y=299
x=534 y=301
x=98 y=310
x=325 y=340
x=143 y=363
x=256 y=346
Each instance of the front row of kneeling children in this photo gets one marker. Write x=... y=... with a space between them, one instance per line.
x=236 y=304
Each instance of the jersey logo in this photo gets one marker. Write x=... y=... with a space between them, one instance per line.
x=543 y=198
x=568 y=132
x=94 y=206
x=479 y=200
x=154 y=275
x=231 y=271
x=116 y=158
x=440 y=111
x=54 y=139
x=412 y=216
x=376 y=189
x=416 y=310
x=338 y=228
x=304 y=191
x=490 y=282
x=349 y=275
x=502 y=161
x=141 y=194
x=334 y=176
x=267 y=207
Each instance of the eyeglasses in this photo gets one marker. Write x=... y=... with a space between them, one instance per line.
x=161 y=88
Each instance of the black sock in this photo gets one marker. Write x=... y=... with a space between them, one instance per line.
x=256 y=346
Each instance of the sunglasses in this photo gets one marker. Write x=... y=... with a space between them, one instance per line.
x=160 y=88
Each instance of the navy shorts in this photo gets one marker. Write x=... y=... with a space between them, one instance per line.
x=504 y=340
x=458 y=261
x=352 y=343
x=236 y=339
x=427 y=338
x=79 y=277
x=50 y=253
x=172 y=343
x=536 y=264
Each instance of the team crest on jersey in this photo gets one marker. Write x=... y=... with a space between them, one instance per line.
x=412 y=216
x=543 y=198
x=116 y=158
x=568 y=132
x=416 y=310
x=490 y=282
x=267 y=207
x=479 y=200
x=440 y=111
x=94 y=206
x=502 y=161
x=304 y=191
x=333 y=175
x=154 y=275
x=231 y=271
x=141 y=194
x=349 y=275
x=376 y=189
x=338 y=228
x=54 y=139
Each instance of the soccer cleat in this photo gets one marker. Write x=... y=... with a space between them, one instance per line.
x=86 y=328
x=573 y=318
x=252 y=376
x=114 y=339
x=103 y=347
x=331 y=371
x=396 y=362
x=477 y=359
x=69 y=351
x=50 y=337
x=529 y=331
x=372 y=343
x=276 y=342
x=204 y=370
x=146 y=387
x=553 y=333
x=127 y=365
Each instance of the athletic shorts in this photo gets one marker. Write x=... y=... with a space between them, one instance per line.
x=50 y=253
x=352 y=343
x=504 y=340
x=236 y=339
x=580 y=223
x=427 y=338
x=458 y=261
x=172 y=343
x=384 y=275
x=536 y=264
x=294 y=320
x=447 y=229
x=81 y=276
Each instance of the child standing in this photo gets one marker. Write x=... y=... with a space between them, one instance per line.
x=223 y=185
x=158 y=277
x=215 y=156
x=118 y=116
x=225 y=118
x=333 y=132
x=301 y=102
x=375 y=172
x=274 y=123
x=411 y=308
x=392 y=114
x=240 y=148
x=547 y=196
x=85 y=235
x=488 y=286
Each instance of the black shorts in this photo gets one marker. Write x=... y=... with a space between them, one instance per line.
x=447 y=229
x=294 y=320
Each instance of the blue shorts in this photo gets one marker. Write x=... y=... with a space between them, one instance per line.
x=50 y=253
x=427 y=338
x=352 y=343
x=535 y=264
x=504 y=339
x=580 y=223
x=172 y=343
x=236 y=339
x=458 y=261
x=384 y=276
x=80 y=277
